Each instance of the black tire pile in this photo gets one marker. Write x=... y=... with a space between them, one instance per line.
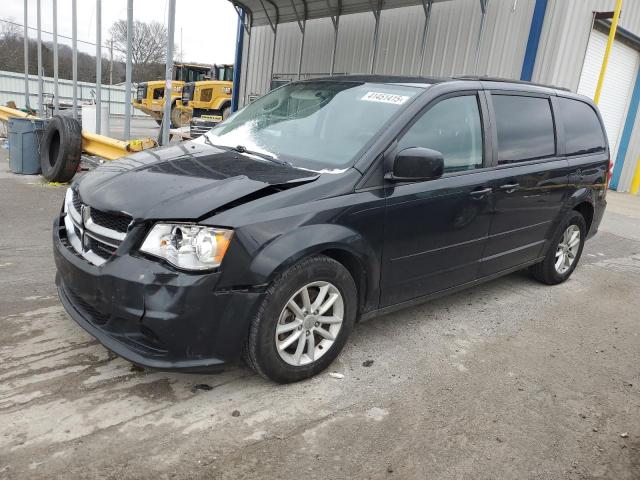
x=61 y=149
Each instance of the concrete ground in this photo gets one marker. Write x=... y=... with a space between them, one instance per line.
x=508 y=380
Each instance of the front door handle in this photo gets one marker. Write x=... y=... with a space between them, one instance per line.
x=509 y=187
x=477 y=194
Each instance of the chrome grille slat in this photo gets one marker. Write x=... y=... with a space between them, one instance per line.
x=95 y=243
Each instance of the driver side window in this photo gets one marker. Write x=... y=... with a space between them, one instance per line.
x=452 y=127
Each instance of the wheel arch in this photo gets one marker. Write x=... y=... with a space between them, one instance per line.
x=585 y=209
x=583 y=202
x=340 y=243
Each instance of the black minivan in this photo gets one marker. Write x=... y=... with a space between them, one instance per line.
x=324 y=202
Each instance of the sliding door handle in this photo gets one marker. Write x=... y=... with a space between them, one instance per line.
x=477 y=194
x=509 y=187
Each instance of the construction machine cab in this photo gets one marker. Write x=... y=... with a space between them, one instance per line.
x=191 y=73
x=223 y=72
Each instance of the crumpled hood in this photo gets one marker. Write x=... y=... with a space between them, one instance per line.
x=188 y=181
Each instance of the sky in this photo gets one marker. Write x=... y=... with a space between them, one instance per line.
x=207 y=28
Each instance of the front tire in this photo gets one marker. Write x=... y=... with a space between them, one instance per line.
x=180 y=117
x=564 y=251
x=303 y=322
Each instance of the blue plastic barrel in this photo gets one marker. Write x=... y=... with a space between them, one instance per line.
x=25 y=137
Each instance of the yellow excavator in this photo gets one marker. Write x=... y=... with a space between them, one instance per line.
x=150 y=96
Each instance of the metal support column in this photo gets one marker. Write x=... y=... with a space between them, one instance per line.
x=376 y=31
x=426 y=6
x=110 y=76
x=127 y=81
x=335 y=19
x=246 y=73
x=607 y=51
x=74 y=57
x=274 y=28
x=483 y=6
x=304 y=30
x=273 y=54
x=302 y=25
x=56 y=90
x=98 y=67
x=26 y=54
x=166 y=118
x=237 y=68
x=40 y=80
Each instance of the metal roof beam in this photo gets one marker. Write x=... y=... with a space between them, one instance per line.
x=271 y=23
x=291 y=10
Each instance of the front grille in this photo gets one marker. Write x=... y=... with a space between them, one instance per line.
x=141 y=93
x=187 y=92
x=200 y=127
x=93 y=234
x=77 y=204
x=119 y=223
x=101 y=249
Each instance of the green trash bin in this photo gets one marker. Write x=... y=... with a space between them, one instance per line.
x=25 y=136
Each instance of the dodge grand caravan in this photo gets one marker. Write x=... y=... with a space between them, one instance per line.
x=324 y=202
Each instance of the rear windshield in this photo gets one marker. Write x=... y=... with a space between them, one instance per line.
x=582 y=129
x=319 y=125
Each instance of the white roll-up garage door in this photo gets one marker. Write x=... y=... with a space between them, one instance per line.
x=618 y=83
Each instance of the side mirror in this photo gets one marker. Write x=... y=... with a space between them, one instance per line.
x=416 y=164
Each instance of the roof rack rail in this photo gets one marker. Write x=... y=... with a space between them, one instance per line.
x=508 y=80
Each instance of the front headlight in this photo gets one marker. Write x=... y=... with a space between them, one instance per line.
x=188 y=246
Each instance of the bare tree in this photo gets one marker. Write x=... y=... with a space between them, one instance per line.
x=9 y=29
x=10 y=50
x=148 y=47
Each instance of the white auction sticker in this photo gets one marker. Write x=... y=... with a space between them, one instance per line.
x=384 y=98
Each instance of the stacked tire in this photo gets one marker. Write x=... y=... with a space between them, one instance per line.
x=61 y=149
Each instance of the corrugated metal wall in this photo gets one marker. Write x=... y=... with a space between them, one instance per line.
x=562 y=49
x=451 y=46
x=12 y=88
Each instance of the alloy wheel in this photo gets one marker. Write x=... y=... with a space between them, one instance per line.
x=567 y=250
x=309 y=323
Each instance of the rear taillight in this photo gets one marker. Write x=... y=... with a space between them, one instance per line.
x=610 y=172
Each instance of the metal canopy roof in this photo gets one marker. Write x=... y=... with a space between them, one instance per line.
x=273 y=12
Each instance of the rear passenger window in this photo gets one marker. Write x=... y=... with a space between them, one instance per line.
x=453 y=128
x=525 y=128
x=582 y=128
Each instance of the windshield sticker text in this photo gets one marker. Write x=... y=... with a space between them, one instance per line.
x=384 y=98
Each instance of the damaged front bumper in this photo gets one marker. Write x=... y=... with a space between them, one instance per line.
x=151 y=314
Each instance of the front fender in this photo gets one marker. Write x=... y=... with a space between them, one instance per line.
x=302 y=242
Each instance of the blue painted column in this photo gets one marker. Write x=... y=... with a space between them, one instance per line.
x=623 y=147
x=237 y=66
x=535 y=31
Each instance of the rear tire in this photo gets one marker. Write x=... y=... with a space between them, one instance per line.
x=314 y=344
x=564 y=251
x=61 y=149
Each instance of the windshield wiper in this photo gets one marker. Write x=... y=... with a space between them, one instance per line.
x=243 y=149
